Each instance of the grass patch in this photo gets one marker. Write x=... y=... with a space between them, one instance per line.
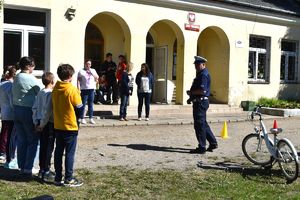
x=121 y=183
x=277 y=103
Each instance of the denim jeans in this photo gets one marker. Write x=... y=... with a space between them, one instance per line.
x=12 y=146
x=27 y=138
x=65 y=141
x=123 y=106
x=202 y=129
x=141 y=97
x=46 y=147
x=87 y=97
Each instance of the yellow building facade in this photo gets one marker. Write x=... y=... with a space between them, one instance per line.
x=250 y=53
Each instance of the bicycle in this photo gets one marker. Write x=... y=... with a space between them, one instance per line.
x=261 y=150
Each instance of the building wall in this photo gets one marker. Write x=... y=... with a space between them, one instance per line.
x=125 y=25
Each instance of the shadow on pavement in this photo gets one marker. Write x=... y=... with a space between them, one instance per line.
x=105 y=114
x=146 y=147
x=247 y=172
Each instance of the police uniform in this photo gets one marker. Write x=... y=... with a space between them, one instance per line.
x=200 y=106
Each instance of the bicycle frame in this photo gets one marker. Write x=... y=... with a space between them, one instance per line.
x=271 y=145
x=269 y=142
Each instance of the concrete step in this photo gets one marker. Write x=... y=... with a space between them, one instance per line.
x=112 y=111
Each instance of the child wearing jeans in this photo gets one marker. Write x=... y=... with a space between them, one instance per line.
x=126 y=87
x=43 y=121
x=67 y=102
x=7 y=117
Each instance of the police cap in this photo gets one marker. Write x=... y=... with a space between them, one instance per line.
x=199 y=60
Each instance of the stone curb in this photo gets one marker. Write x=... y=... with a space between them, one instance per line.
x=280 y=111
x=117 y=123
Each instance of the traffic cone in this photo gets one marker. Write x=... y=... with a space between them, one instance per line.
x=224 y=133
x=275 y=126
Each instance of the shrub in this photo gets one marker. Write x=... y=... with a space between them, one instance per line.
x=277 y=103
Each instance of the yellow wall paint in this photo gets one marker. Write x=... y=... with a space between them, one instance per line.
x=113 y=35
x=214 y=47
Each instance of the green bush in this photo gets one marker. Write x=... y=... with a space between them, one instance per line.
x=277 y=103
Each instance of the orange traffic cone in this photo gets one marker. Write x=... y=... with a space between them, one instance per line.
x=224 y=133
x=275 y=125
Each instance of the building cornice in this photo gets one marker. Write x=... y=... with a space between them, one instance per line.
x=221 y=9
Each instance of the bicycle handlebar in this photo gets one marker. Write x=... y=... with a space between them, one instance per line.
x=256 y=113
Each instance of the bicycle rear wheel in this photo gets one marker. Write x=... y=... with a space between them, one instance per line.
x=255 y=149
x=287 y=162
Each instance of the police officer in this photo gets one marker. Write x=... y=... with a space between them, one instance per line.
x=199 y=94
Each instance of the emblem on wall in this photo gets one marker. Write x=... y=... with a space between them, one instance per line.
x=191 y=17
x=190 y=25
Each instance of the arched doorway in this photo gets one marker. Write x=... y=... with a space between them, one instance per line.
x=165 y=51
x=107 y=32
x=94 y=44
x=213 y=44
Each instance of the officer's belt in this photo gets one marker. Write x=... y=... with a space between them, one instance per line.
x=198 y=99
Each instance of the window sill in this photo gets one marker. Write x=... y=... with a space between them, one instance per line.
x=289 y=82
x=258 y=82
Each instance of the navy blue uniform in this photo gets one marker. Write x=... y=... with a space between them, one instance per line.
x=200 y=106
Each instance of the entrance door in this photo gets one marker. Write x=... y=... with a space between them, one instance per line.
x=160 y=74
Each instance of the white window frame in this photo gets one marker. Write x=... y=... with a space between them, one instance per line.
x=25 y=30
x=258 y=51
x=287 y=54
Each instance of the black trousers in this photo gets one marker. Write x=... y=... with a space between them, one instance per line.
x=202 y=129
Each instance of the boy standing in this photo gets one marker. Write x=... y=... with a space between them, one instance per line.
x=66 y=102
x=43 y=121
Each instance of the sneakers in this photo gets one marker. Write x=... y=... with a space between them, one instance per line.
x=73 y=183
x=40 y=174
x=198 y=151
x=140 y=119
x=82 y=121
x=92 y=121
x=2 y=158
x=122 y=119
x=48 y=177
x=211 y=147
x=58 y=183
x=35 y=171
x=13 y=164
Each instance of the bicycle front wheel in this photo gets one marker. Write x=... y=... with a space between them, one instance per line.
x=255 y=149
x=287 y=161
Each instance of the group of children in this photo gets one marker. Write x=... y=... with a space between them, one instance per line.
x=49 y=116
